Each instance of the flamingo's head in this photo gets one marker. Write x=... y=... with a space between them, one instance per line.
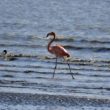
x=51 y=34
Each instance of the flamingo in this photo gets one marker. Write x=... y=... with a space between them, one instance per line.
x=58 y=50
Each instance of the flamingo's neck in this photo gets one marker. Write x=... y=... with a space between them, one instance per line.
x=49 y=44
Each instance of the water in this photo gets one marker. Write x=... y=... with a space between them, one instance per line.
x=83 y=28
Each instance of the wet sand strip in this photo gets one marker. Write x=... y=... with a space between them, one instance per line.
x=44 y=99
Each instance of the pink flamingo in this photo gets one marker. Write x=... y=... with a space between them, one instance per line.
x=58 y=51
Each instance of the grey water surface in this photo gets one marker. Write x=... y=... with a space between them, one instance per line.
x=82 y=27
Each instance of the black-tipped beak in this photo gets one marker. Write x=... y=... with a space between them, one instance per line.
x=47 y=35
x=50 y=34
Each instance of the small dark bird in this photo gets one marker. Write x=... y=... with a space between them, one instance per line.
x=58 y=51
x=7 y=56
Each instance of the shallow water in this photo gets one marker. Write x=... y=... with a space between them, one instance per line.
x=83 y=28
x=43 y=107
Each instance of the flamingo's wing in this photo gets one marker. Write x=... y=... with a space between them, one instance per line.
x=59 y=51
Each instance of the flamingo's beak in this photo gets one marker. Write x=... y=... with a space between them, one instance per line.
x=50 y=34
x=47 y=35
